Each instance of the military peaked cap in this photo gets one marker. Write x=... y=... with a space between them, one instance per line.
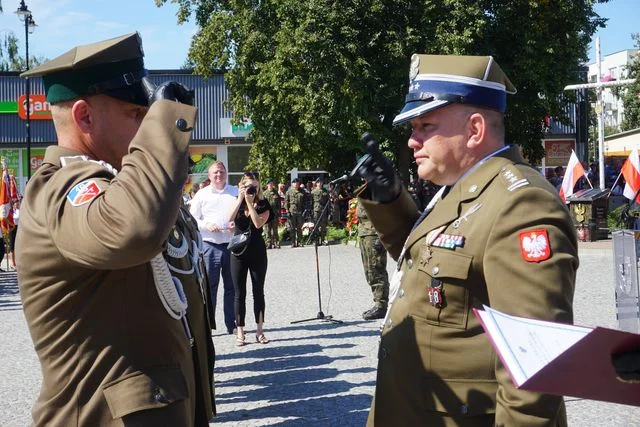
x=111 y=67
x=439 y=80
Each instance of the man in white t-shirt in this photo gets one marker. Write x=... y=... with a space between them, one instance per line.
x=211 y=206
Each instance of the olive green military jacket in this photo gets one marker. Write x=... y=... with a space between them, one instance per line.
x=109 y=349
x=273 y=198
x=319 y=198
x=294 y=201
x=501 y=237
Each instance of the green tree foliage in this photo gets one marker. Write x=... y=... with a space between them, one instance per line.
x=9 y=59
x=630 y=94
x=314 y=75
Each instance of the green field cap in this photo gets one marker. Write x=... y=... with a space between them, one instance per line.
x=439 y=80
x=111 y=67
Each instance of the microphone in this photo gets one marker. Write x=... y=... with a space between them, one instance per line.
x=341 y=179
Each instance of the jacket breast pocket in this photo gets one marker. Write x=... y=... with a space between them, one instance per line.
x=448 y=270
x=156 y=388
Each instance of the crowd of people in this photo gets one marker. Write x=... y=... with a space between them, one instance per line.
x=296 y=206
x=613 y=179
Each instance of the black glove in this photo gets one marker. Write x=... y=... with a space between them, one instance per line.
x=382 y=181
x=627 y=366
x=172 y=91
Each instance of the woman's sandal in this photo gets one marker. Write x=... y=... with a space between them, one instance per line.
x=240 y=341
x=261 y=339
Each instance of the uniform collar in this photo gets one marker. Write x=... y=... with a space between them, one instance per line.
x=469 y=187
x=54 y=152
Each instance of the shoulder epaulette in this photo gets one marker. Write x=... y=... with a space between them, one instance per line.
x=512 y=178
x=66 y=160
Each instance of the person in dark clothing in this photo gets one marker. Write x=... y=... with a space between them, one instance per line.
x=251 y=211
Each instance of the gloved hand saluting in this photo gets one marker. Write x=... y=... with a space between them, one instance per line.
x=172 y=91
x=377 y=170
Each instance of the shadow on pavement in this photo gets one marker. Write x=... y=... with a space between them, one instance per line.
x=9 y=292
x=347 y=410
x=285 y=363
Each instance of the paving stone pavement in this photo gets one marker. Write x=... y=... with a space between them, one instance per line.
x=314 y=373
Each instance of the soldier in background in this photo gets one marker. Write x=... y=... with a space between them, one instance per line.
x=294 y=203
x=271 y=227
x=374 y=261
x=308 y=202
x=319 y=199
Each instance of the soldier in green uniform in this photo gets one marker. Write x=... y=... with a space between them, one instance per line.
x=271 y=227
x=374 y=262
x=319 y=199
x=496 y=234
x=111 y=275
x=294 y=204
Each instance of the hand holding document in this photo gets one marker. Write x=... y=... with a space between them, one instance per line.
x=561 y=359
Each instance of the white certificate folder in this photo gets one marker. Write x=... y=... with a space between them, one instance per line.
x=561 y=359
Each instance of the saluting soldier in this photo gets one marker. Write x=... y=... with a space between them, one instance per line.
x=495 y=234
x=374 y=262
x=111 y=270
x=271 y=227
x=294 y=202
x=319 y=199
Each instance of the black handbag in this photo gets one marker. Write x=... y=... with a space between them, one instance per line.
x=239 y=242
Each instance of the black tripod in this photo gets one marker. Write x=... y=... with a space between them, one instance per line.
x=315 y=236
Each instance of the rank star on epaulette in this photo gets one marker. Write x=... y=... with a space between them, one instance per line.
x=513 y=180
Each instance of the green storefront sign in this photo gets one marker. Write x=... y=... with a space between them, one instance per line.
x=8 y=107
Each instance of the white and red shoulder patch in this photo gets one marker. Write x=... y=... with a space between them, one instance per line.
x=83 y=192
x=534 y=245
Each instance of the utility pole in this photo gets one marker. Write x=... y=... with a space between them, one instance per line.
x=598 y=86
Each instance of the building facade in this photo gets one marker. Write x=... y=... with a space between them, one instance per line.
x=214 y=137
x=613 y=67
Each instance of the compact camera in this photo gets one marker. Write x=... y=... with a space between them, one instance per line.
x=252 y=189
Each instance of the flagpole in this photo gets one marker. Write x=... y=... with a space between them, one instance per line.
x=614 y=184
x=587 y=178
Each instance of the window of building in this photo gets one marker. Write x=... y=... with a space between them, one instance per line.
x=238 y=160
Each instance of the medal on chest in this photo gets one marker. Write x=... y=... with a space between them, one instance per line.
x=436 y=293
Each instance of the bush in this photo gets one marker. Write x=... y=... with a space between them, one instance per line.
x=336 y=234
x=616 y=217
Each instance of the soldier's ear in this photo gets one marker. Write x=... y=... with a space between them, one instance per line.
x=81 y=114
x=476 y=128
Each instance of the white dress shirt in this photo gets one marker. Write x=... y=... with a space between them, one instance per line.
x=212 y=206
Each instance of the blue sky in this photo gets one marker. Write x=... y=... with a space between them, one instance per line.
x=624 y=19
x=63 y=24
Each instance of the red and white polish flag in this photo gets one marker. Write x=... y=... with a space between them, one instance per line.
x=574 y=172
x=631 y=172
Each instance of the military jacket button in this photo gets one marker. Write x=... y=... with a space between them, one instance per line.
x=473 y=188
x=158 y=396
x=409 y=263
x=401 y=293
x=464 y=409
x=435 y=270
x=182 y=125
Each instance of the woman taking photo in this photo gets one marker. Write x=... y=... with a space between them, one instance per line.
x=250 y=212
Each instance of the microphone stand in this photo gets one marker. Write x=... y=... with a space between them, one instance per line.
x=315 y=235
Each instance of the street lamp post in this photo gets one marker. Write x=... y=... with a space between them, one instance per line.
x=25 y=15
